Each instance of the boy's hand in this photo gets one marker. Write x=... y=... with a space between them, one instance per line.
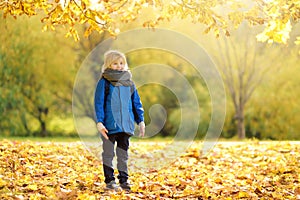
x=142 y=129
x=101 y=128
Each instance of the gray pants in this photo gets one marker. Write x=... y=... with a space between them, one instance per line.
x=122 y=140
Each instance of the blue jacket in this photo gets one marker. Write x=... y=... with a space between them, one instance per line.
x=119 y=109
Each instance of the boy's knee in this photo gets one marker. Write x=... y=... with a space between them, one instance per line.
x=108 y=155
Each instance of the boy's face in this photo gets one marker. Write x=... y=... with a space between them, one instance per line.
x=118 y=64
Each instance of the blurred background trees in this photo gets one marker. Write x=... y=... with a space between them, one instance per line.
x=35 y=83
x=38 y=70
x=244 y=64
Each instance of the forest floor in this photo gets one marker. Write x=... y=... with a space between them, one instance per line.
x=158 y=170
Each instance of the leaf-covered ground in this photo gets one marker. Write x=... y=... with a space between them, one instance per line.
x=248 y=170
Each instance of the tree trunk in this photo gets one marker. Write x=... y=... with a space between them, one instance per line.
x=240 y=121
x=241 y=127
x=43 y=112
x=44 y=132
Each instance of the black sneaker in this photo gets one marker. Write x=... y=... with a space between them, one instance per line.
x=125 y=186
x=112 y=186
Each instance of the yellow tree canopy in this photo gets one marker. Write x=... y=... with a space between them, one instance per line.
x=218 y=16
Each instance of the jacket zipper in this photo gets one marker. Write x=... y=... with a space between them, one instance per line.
x=121 y=109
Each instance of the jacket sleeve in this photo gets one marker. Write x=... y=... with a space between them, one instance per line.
x=138 y=110
x=99 y=101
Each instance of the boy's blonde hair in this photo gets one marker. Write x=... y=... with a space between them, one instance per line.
x=111 y=56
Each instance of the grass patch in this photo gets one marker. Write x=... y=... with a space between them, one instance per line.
x=41 y=139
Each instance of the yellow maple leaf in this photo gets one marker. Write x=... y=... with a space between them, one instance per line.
x=243 y=194
x=33 y=187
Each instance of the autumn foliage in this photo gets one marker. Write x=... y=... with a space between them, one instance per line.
x=218 y=16
x=247 y=170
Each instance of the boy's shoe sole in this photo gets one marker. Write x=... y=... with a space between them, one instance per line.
x=113 y=189
x=125 y=186
x=113 y=186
